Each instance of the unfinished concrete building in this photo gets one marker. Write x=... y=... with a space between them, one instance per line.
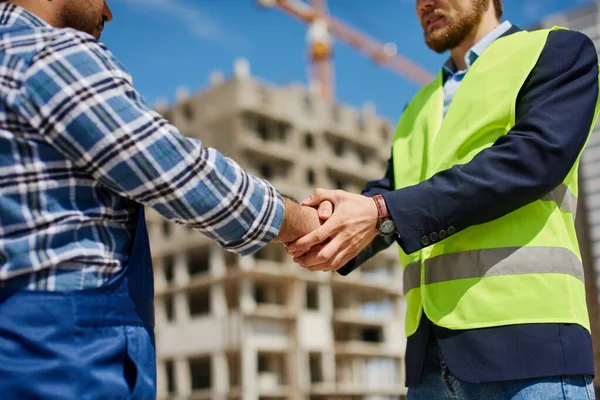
x=260 y=327
x=587 y=20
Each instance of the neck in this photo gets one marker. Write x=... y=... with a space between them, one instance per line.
x=38 y=8
x=488 y=23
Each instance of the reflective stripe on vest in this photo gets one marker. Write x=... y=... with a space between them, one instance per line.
x=566 y=202
x=564 y=199
x=493 y=262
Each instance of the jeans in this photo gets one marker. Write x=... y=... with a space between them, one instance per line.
x=437 y=383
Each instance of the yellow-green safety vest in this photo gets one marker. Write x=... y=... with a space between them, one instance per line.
x=522 y=268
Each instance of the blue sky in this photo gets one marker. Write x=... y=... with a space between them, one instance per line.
x=166 y=44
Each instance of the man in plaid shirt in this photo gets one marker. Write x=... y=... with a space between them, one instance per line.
x=80 y=155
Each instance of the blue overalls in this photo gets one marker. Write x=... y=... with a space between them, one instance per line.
x=90 y=344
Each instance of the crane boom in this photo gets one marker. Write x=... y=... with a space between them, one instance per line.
x=321 y=51
x=365 y=44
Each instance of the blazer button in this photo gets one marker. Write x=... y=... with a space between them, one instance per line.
x=425 y=240
x=434 y=237
x=443 y=234
x=451 y=230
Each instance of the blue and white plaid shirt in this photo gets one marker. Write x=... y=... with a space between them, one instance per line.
x=79 y=151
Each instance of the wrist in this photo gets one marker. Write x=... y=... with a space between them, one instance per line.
x=291 y=209
x=298 y=221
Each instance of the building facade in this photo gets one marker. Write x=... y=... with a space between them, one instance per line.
x=587 y=20
x=260 y=327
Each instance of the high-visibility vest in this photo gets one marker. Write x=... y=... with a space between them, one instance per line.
x=524 y=267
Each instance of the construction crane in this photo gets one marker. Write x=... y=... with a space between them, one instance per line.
x=322 y=28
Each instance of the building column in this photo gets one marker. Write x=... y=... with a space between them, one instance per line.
x=325 y=299
x=322 y=151
x=249 y=358
x=401 y=373
x=400 y=305
x=218 y=300
x=296 y=357
x=328 y=366
x=247 y=301
x=182 y=277
x=161 y=380
x=298 y=362
x=298 y=169
x=182 y=307
x=160 y=313
x=583 y=229
x=328 y=357
x=217 y=262
x=220 y=376
x=358 y=377
x=247 y=263
x=183 y=380
x=298 y=296
x=160 y=281
x=292 y=367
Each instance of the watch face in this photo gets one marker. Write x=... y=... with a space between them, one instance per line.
x=387 y=227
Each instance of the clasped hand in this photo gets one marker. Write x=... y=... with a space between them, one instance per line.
x=350 y=224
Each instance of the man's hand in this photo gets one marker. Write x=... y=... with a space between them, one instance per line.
x=297 y=221
x=351 y=227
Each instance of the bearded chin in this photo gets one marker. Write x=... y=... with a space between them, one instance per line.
x=458 y=29
x=443 y=41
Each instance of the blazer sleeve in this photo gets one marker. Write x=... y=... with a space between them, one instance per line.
x=383 y=185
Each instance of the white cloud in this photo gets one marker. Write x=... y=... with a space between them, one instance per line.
x=197 y=22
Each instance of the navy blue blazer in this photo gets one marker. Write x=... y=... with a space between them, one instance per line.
x=554 y=114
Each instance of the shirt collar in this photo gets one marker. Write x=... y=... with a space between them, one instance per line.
x=475 y=51
x=11 y=15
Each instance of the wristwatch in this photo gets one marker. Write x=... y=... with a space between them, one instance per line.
x=385 y=225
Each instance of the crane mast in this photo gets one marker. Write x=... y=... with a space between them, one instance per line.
x=322 y=28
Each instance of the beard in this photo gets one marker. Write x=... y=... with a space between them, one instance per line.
x=83 y=15
x=457 y=28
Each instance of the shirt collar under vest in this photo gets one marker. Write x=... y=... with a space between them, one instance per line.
x=504 y=29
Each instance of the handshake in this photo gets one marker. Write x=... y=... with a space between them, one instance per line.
x=328 y=229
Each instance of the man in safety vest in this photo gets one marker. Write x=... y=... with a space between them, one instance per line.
x=480 y=195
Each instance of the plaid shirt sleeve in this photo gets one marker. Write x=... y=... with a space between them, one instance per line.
x=82 y=101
